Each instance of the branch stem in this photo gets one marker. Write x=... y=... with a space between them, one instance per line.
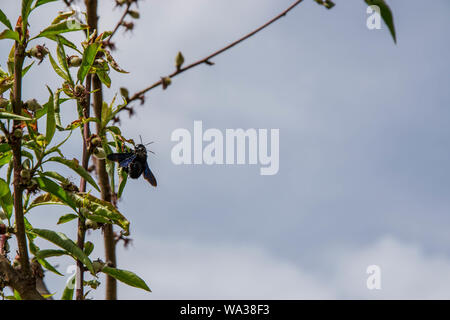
x=139 y=95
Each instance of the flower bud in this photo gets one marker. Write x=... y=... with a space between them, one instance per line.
x=26 y=164
x=32 y=105
x=99 y=153
x=179 y=60
x=84 y=212
x=90 y=224
x=124 y=92
x=99 y=62
x=96 y=141
x=39 y=52
x=3 y=103
x=166 y=81
x=134 y=14
x=17 y=133
x=98 y=265
x=79 y=91
x=121 y=2
x=25 y=174
x=16 y=262
x=74 y=61
x=2 y=215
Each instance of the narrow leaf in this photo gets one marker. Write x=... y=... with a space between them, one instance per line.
x=9 y=34
x=66 y=218
x=12 y=116
x=62 y=241
x=88 y=59
x=51 y=124
x=4 y=19
x=48 y=266
x=43 y=254
x=51 y=187
x=68 y=290
x=386 y=14
x=6 y=199
x=127 y=277
x=57 y=69
x=61 y=28
x=63 y=40
x=77 y=168
x=41 y=2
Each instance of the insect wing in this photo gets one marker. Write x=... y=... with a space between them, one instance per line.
x=148 y=175
x=124 y=163
x=124 y=159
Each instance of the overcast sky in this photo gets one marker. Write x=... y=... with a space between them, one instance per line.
x=364 y=133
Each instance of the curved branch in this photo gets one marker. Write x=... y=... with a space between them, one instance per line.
x=108 y=40
x=139 y=95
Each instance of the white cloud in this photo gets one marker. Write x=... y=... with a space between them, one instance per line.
x=190 y=270
x=187 y=270
x=407 y=272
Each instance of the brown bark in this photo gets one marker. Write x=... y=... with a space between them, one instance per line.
x=110 y=248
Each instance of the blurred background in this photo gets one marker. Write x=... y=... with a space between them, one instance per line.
x=364 y=173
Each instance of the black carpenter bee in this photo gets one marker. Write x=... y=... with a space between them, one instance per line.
x=134 y=163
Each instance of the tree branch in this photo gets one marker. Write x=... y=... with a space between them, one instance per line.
x=110 y=249
x=140 y=95
x=108 y=40
x=81 y=234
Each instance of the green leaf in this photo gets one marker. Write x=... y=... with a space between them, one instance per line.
x=4 y=188
x=17 y=295
x=66 y=218
x=48 y=266
x=101 y=208
x=63 y=40
x=88 y=59
x=100 y=219
x=6 y=199
x=127 y=277
x=4 y=147
x=41 y=2
x=57 y=69
x=123 y=182
x=12 y=116
x=4 y=19
x=5 y=158
x=68 y=290
x=113 y=63
x=104 y=78
x=56 y=103
x=59 y=28
x=56 y=148
x=51 y=123
x=62 y=16
x=386 y=14
x=42 y=254
x=56 y=176
x=9 y=34
x=88 y=247
x=25 y=70
x=62 y=241
x=51 y=187
x=44 y=199
x=26 y=9
x=72 y=164
x=62 y=59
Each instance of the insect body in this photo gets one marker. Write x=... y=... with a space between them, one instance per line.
x=135 y=163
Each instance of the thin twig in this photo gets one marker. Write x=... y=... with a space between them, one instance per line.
x=108 y=40
x=139 y=95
